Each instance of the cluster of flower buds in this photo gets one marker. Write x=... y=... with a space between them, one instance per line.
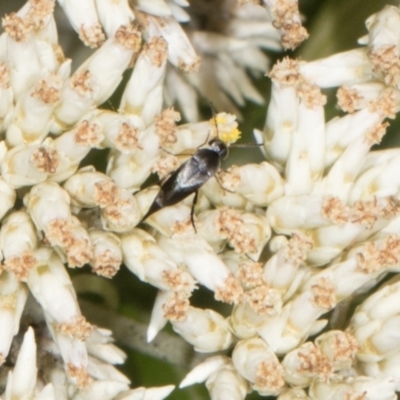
x=284 y=241
x=55 y=214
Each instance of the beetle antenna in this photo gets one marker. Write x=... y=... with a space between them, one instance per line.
x=214 y=117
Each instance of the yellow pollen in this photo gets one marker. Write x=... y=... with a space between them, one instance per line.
x=227 y=127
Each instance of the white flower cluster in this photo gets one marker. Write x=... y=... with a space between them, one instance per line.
x=285 y=241
x=56 y=215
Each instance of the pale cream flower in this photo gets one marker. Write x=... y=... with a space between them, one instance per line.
x=288 y=242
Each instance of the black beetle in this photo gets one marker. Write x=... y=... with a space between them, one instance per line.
x=190 y=177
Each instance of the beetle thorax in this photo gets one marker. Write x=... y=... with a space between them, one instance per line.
x=219 y=147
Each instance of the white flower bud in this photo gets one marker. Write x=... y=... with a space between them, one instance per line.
x=291 y=213
x=157 y=319
x=171 y=219
x=206 y=330
x=47 y=393
x=340 y=348
x=49 y=208
x=341 y=176
x=73 y=146
x=349 y=67
x=281 y=122
x=105 y=372
x=52 y=288
x=331 y=240
x=121 y=132
x=18 y=240
x=344 y=131
x=151 y=264
x=287 y=20
x=378 y=181
x=247 y=233
x=89 y=188
x=261 y=183
x=32 y=114
x=204 y=265
x=22 y=55
x=147 y=78
x=122 y=214
x=78 y=247
x=204 y=370
x=99 y=344
x=107 y=253
x=305 y=364
x=83 y=18
x=181 y=92
x=257 y=363
x=113 y=14
x=220 y=197
x=101 y=390
x=6 y=96
x=145 y=198
x=155 y=7
x=359 y=96
x=301 y=314
x=47 y=202
x=26 y=165
x=281 y=271
x=180 y=51
x=13 y=295
x=293 y=394
x=244 y=321
x=7 y=197
x=129 y=171
x=21 y=381
x=96 y=79
x=305 y=164
x=369 y=388
x=375 y=324
x=389 y=366
x=227 y=383
x=142 y=393
x=383 y=43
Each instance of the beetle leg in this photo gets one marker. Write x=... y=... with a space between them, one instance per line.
x=196 y=194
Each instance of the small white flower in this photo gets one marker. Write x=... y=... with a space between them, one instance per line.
x=22 y=57
x=13 y=295
x=141 y=393
x=256 y=362
x=157 y=319
x=113 y=14
x=32 y=115
x=89 y=188
x=227 y=383
x=101 y=390
x=143 y=92
x=204 y=370
x=305 y=364
x=206 y=330
x=375 y=321
x=151 y=264
x=21 y=381
x=97 y=77
x=18 y=241
x=83 y=18
x=180 y=50
x=369 y=388
x=204 y=265
x=27 y=165
x=73 y=146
